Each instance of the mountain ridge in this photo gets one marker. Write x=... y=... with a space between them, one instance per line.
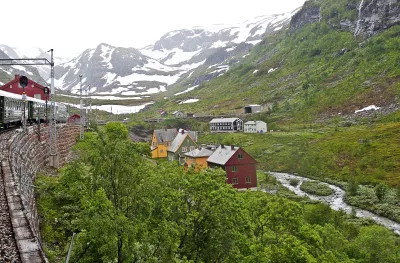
x=162 y=64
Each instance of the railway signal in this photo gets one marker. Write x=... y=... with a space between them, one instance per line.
x=23 y=82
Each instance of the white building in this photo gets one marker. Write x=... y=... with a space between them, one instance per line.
x=226 y=125
x=255 y=127
x=252 y=108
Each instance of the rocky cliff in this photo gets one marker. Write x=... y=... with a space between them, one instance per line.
x=374 y=16
x=363 y=18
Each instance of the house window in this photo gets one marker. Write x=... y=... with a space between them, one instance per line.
x=240 y=156
x=154 y=144
x=235 y=180
x=166 y=143
x=184 y=149
x=191 y=148
x=234 y=169
x=10 y=86
x=161 y=151
x=248 y=180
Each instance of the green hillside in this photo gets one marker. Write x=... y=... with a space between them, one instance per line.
x=318 y=70
x=310 y=79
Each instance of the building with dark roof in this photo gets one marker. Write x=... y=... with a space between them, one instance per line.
x=160 y=142
x=226 y=125
x=239 y=166
x=198 y=157
x=185 y=141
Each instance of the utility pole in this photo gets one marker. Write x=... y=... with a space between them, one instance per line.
x=90 y=106
x=23 y=82
x=53 y=120
x=82 y=130
x=86 y=106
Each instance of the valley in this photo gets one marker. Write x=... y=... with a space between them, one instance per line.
x=326 y=77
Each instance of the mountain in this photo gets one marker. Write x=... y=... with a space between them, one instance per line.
x=7 y=72
x=39 y=73
x=200 y=53
x=336 y=58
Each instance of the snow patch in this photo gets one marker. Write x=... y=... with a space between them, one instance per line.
x=187 y=90
x=253 y=42
x=189 y=101
x=116 y=109
x=143 y=77
x=219 y=44
x=114 y=91
x=371 y=107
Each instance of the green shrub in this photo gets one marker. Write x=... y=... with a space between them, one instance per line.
x=316 y=188
x=294 y=182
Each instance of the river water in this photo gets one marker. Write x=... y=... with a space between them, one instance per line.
x=335 y=201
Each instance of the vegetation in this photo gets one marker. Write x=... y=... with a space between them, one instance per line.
x=125 y=208
x=316 y=188
x=367 y=154
x=319 y=70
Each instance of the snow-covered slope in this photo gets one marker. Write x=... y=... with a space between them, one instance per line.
x=8 y=72
x=33 y=52
x=200 y=54
x=181 y=46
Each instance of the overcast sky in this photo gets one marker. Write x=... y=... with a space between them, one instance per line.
x=71 y=26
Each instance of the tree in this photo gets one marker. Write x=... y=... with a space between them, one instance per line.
x=380 y=191
x=376 y=244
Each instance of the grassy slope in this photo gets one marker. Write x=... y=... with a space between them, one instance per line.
x=311 y=77
x=312 y=83
x=368 y=154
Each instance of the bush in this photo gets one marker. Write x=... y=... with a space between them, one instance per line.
x=294 y=182
x=316 y=188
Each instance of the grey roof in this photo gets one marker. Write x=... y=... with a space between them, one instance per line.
x=222 y=155
x=180 y=138
x=202 y=152
x=224 y=120
x=165 y=135
x=253 y=122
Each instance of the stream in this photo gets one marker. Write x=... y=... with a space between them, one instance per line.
x=335 y=201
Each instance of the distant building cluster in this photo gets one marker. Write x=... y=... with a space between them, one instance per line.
x=181 y=146
x=236 y=125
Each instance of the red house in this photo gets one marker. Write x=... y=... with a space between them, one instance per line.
x=33 y=89
x=74 y=119
x=239 y=166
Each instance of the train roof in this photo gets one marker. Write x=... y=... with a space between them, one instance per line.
x=19 y=97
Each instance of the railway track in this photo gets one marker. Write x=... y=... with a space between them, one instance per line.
x=8 y=246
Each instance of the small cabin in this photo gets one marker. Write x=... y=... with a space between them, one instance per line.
x=255 y=127
x=179 y=114
x=253 y=108
x=74 y=119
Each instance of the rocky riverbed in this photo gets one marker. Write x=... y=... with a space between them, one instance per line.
x=335 y=200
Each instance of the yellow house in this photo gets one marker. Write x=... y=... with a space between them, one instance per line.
x=198 y=158
x=160 y=142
